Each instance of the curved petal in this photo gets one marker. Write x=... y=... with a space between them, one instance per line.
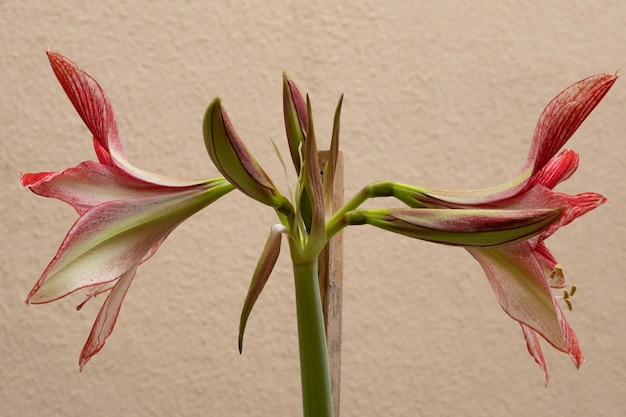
x=90 y=183
x=534 y=348
x=90 y=102
x=521 y=288
x=109 y=239
x=97 y=113
x=575 y=206
x=563 y=115
x=557 y=123
x=557 y=169
x=103 y=326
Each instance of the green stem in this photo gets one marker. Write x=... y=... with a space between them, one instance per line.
x=314 y=371
x=375 y=189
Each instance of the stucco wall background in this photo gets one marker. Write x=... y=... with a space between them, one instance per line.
x=443 y=94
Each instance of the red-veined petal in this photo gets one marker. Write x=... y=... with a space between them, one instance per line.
x=534 y=348
x=107 y=316
x=90 y=102
x=110 y=238
x=97 y=113
x=563 y=115
x=522 y=290
x=90 y=183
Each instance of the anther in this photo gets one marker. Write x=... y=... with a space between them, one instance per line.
x=567 y=297
x=569 y=303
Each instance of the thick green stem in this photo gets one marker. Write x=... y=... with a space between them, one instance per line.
x=314 y=371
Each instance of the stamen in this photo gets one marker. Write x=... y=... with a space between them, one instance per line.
x=567 y=297
x=570 y=305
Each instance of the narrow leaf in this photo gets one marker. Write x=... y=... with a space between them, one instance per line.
x=262 y=272
x=331 y=165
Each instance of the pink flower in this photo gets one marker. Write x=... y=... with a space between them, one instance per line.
x=125 y=213
x=522 y=274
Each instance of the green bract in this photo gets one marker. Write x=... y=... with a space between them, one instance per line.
x=236 y=162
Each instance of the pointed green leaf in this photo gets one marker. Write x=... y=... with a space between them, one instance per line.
x=331 y=165
x=261 y=274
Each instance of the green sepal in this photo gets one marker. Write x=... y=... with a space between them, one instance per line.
x=458 y=227
x=233 y=159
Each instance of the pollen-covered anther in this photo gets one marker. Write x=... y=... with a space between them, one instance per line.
x=570 y=305
x=567 y=297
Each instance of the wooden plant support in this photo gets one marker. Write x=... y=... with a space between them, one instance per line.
x=330 y=275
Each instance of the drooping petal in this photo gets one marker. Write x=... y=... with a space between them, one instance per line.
x=522 y=290
x=459 y=227
x=109 y=239
x=534 y=348
x=563 y=115
x=262 y=272
x=105 y=321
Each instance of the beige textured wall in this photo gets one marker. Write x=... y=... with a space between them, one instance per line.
x=437 y=93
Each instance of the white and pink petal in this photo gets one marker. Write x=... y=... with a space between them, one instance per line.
x=522 y=290
x=107 y=317
x=109 y=239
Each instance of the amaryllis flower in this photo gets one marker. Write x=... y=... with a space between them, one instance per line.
x=125 y=212
x=523 y=273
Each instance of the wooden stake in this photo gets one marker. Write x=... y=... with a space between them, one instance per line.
x=330 y=273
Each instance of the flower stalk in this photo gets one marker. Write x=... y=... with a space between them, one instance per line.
x=314 y=369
